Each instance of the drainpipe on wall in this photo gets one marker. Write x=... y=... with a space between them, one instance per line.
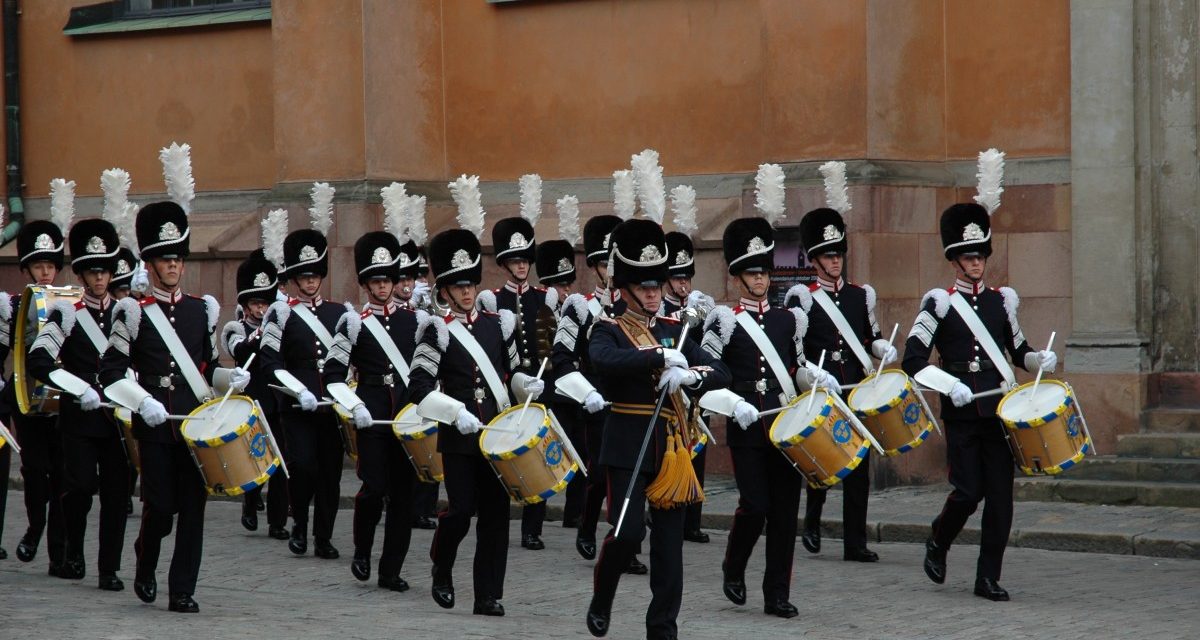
x=12 y=121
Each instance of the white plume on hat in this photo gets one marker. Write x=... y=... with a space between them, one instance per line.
x=624 y=194
x=118 y=210
x=177 y=174
x=320 y=214
x=648 y=181
x=990 y=178
x=274 y=229
x=395 y=202
x=62 y=202
x=769 y=192
x=837 y=196
x=465 y=192
x=683 y=203
x=568 y=219
x=531 y=197
x=414 y=215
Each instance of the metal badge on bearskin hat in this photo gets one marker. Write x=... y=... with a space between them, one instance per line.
x=749 y=243
x=306 y=251
x=257 y=278
x=556 y=258
x=967 y=227
x=513 y=237
x=823 y=230
x=94 y=245
x=123 y=269
x=162 y=227
x=597 y=236
x=454 y=254
x=377 y=254
x=396 y=221
x=43 y=239
x=680 y=251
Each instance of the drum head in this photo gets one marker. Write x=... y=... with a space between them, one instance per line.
x=514 y=435
x=796 y=419
x=876 y=394
x=1021 y=405
x=205 y=424
x=408 y=422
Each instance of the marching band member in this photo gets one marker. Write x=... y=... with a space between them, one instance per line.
x=379 y=344
x=638 y=353
x=169 y=339
x=470 y=353
x=69 y=345
x=40 y=247
x=841 y=322
x=257 y=281
x=970 y=324
x=516 y=251
x=297 y=337
x=763 y=348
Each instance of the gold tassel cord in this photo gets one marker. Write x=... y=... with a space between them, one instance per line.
x=676 y=484
x=658 y=493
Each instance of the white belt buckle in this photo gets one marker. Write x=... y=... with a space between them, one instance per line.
x=836 y=356
x=973 y=366
x=479 y=394
x=760 y=386
x=525 y=363
x=389 y=379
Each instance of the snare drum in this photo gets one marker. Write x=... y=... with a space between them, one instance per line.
x=232 y=450
x=892 y=410
x=125 y=420
x=346 y=428
x=1047 y=431
x=419 y=439
x=821 y=442
x=529 y=458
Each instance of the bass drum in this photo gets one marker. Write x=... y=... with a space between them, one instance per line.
x=37 y=301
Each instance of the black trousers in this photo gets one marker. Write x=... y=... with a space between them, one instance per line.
x=532 y=517
x=981 y=469
x=5 y=467
x=42 y=471
x=472 y=489
x=691 y=521
x=855 y=489
x=572 y=419
x=277 y=489
x=425 y=498
x=95 y=465
x=769 y=493
x=596 y=490
x=171 y=485
x=666 y=552
x=387 y=476
x=315 y=462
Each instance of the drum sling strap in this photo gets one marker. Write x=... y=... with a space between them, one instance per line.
x=187 y=365
x=318 y=329
x=468 y=341
x=388 y=345
x=83 y=318
x=769 y=354
x=676 y=484
x=843 y=327
x=984 y=337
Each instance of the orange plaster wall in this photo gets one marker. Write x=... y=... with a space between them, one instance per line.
x=92 y=103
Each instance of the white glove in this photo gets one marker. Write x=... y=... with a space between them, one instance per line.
x=960 y=395
x=828 y=381
x=745 y=414
x=238 y=379
x=90 y=400
x=674 y=377
x=308 y=402
x=139 y=283
x=362 y=417
x=420 y=294
x=889 y=355
x=697 y=300
x=534 y=387
x=594 y=402
x=674 y=358
x=467 y=423
x=1047 y=360
x=152 y=411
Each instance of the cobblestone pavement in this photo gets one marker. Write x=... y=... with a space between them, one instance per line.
x=252 y=587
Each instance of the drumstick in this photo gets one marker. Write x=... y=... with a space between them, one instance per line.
x=113 y=405
x=1038 y=379
x=320 y=403
x=812 y=395
x=230 y=389
x=8 y=436
x=529 y=398
x=891 y=340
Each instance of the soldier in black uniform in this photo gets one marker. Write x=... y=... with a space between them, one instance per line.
x=76 y=335
x=414 y=277
x=171 y=483
x=515 y=253
x=634 y=373
x=980 y=462
x=382 y=392
x=466 y=403
x=677 y=294
x=823 y=233
x=257 y=284
x=293 y=352
x=765 y=378
x=40 y=247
